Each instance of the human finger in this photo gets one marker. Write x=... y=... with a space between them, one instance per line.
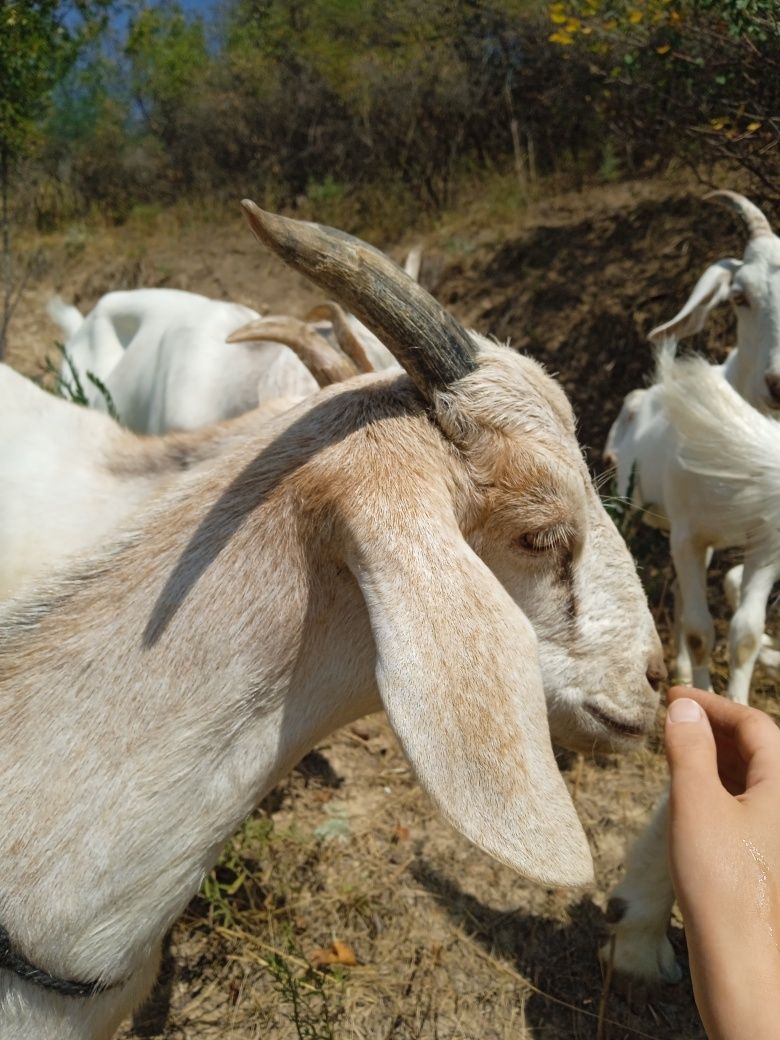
x=724 y=715
x=691 y=751
x=757 y=739
x=748 y=741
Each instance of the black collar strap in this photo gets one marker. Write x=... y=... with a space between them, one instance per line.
x=19 y=964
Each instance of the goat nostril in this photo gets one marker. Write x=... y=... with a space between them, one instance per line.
x=656 y=674
x=773 y=386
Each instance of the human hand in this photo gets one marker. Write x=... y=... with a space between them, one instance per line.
x=724 y=850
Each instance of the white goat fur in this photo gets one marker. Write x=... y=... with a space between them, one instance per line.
x=71 y=476
x=725 y=479
x=449 y=561
x=162 y=355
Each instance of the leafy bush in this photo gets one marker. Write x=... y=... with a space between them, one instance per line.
x=697 y=79
x=341 y=105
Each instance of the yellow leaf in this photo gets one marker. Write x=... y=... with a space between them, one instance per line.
x=557 y=8
x=587 y=30
x=345 y=954
x=753 y=126
x=339 y=953
x=559 y=19
x=718 y=124
x=572 y=25
x=400 y=834
x=635 y=17
x=675 y=17
x=560 y=37
x=663 y=49
x=611 y=24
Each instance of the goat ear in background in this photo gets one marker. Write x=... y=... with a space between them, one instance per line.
x=710 y=290
x=459 y=678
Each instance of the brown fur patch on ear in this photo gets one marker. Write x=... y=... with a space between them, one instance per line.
x=380 y=438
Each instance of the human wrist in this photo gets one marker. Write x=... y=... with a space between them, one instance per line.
x=736 y=981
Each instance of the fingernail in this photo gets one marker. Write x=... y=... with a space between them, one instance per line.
x=684 y=710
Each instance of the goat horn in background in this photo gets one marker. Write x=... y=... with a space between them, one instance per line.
x=345 y=337
x=757 y=224
x=430 y=344
x=325 y=363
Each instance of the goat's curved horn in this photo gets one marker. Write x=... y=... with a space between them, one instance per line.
x=433 y=348
x=325 y=363
x=756 y=222
x=345 y=337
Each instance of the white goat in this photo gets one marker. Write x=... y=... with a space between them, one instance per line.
x=641 y=443
x=730 y=455
x=429 y=543
x=71 y=477
x=161 y=354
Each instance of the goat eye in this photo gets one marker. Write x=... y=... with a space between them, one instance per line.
x=537 y=542
x=739 y=299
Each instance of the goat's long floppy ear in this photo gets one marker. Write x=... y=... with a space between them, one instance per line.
x=459 y=678
x=710 y=290
x=433 y=348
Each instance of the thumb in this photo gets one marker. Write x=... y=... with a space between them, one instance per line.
x=690 y=749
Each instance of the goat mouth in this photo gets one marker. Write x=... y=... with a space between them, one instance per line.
x=625 y=729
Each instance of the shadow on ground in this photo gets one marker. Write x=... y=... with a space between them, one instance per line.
x=559 y=960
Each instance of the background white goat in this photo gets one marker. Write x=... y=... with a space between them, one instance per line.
x=642 y=444
x=730 y=455
x=430 y=544
x=162 y=356
x=71 y=476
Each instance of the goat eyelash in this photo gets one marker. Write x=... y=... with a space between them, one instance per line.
x=544 y=540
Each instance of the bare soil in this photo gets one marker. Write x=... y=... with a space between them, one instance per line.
x=448 y=943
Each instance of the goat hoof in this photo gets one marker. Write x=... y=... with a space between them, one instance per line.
x=681 y=673
x=635 y=992
x=641 y=964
